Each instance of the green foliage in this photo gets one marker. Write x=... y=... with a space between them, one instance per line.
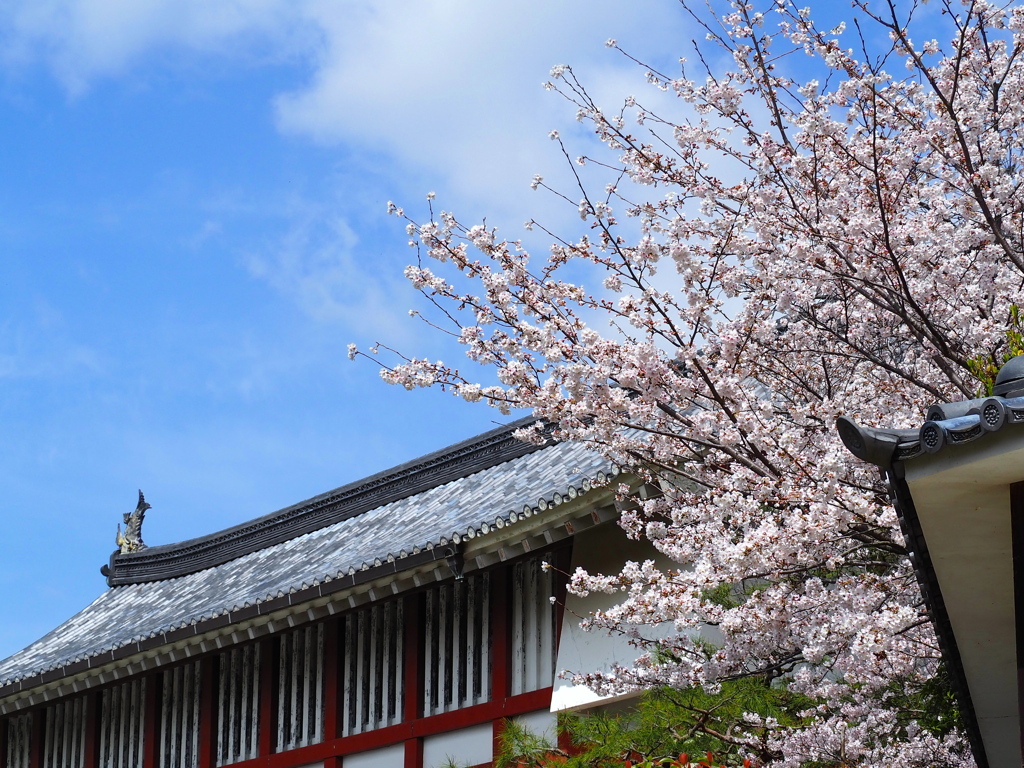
x=985 y=367
x=522 y=747
x=663 y=724
x=931 y=705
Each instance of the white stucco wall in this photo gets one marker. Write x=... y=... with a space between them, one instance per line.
x=602 y=549
x=468 y=746
x=543 y=722
x=385 y=757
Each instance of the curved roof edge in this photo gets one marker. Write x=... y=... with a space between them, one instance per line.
x=460 y=460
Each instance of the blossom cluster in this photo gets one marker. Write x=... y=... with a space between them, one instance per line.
x=790 y=250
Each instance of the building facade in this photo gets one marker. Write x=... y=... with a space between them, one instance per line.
x=396 y=622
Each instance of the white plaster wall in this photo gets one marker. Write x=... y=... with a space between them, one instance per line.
x=962 y=497
x=385 y=757
x=468 y=746
x=543 y=722
x=602 y=549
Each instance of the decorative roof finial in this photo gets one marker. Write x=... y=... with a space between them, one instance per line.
x=131 y=539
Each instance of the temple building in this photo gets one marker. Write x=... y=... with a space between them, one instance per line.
x=396 y=622
x=957 y=483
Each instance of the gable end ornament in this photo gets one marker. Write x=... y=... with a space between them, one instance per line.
x=131 y=539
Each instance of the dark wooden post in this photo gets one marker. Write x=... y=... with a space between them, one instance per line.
x=333 y=689
x=151 y=720
x=501 y=655
x=93 y=707
x=36 y=739
x=3 y=740
x=1017 y=536
x=332 y=686
x=561 y=561
x=209 y=674
x=270 y=659
x=415 y=614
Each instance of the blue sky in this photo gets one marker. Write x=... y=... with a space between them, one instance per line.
x=193 y=227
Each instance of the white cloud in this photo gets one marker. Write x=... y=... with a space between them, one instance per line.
x=446 y=91
x=319 y=264
x=443 y=86
x=82 y=40
x=455 y=86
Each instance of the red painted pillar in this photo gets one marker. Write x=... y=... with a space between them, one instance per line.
x=332 y=681
x=38 y=734
x=412 y=674
x=209 y=673
x=93 y=706
x=332 y=686
x=151 y=720
x=3 y=740
x=501 y=655
x=270 y=658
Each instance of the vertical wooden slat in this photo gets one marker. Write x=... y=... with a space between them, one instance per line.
x=561 y=561
x=376 y=667
x=251 y=707
x=430 y=658
x=104 y=726
x=195 y=714
x=350 y=665
x=221 y=705
x=318 y=691
x=137 y=724
x=387 y=630
x=48 y=755
x=459 y=648
x=472 y=683
x=449 y=651
x=117 y=729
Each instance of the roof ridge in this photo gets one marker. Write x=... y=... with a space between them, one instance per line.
x=433 y=469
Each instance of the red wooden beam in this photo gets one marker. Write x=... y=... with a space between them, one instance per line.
x=270 y=652
x=151 y=720
x=208 y=694
x=415 y=732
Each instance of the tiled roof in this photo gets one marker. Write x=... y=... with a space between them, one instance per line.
x=946 y=424
x=400 y=531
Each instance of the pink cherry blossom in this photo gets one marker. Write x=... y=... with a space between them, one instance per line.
x=830 y=223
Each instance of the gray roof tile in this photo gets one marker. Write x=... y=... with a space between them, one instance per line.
x=129 y=614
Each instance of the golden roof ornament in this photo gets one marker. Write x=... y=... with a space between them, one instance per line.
x=131 y=539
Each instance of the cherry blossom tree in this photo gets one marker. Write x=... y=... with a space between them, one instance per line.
x=820 y=222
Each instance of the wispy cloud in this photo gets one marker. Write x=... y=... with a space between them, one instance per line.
x=82 y=40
